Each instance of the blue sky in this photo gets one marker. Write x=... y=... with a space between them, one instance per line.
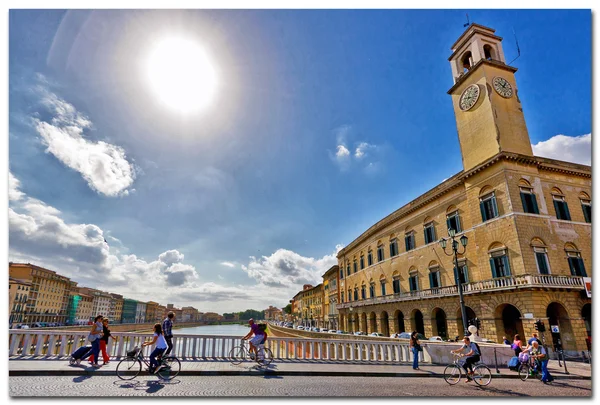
x=323 y=122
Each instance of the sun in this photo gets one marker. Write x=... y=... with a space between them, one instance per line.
x=181 y=75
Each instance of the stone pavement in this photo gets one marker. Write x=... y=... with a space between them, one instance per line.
x=23 y=366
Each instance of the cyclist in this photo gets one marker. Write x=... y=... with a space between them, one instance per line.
x=161 y=346
x=473 y=355
x=538 y=352
x=260 y=336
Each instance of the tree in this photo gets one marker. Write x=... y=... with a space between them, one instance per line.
x=288 y=309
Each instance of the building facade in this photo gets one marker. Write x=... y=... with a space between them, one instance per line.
x=273 y=314
x=48 y=297
x=330 y=298
x=527 y=221
x=18 y=294
x=116 y=308
x=140 y=312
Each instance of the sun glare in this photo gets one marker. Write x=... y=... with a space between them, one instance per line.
x=181 y=74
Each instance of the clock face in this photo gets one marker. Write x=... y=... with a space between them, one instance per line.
x=502 y=87
x=469 y=97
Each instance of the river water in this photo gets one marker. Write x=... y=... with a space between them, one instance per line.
x=218 y=330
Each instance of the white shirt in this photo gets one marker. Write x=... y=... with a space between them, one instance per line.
x=161 y=343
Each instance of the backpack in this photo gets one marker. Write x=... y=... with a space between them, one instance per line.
x=262 y=327
x=478 y=349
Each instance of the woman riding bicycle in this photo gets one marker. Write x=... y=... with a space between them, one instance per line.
x=161 y=346
x=473 y=355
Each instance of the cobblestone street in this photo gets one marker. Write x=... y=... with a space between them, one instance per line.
x=278 y=386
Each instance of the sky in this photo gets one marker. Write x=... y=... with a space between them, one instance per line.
x=320 y=123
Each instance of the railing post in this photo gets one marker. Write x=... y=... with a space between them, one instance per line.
x=564 y=361
x=496 y=361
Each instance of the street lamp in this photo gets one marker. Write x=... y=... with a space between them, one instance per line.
x=463 y=241
x=351 y=320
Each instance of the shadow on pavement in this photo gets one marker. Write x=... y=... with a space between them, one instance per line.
x=81 y=378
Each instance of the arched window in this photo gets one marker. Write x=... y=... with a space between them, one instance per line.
x=435 y=280
x=382 y=284
x=528 y=198
x=393 y=247
x=586 y=206
x=413 y=279
x=541 y=255
x=560 y=205
x=362 y=261
x=453 y=219
x=372 y=288
x=499 y=260
x=466 y=61
x=370 y=257
x=363 y=291
x=380 y=253
x=409 y=239
x=575 y=261
x=487 y=204
x=355 y=265
x=488 y=52
x=429 y=230
x=396 y=282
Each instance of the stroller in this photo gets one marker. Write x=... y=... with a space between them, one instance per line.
x=80 y=354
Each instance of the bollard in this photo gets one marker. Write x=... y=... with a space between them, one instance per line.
x=496 y=360
x=564 y=361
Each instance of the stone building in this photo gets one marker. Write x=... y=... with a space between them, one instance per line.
x=330 y=298
x=527 y=220
x=18 y=293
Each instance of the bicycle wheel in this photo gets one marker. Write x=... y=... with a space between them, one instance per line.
x=482 y=375
x=169 y=368
x=524 y=371
x=452 y=374
x=268 y=357
x=128 y=368
x=237 y=355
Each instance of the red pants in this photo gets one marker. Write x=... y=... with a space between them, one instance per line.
x=105 y=355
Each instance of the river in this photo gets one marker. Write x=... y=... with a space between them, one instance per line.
x=214 y=330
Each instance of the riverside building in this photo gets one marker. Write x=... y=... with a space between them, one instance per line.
x=527 y=219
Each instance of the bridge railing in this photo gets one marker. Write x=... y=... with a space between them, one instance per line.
x=43 y=344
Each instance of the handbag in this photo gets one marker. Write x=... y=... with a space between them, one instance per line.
x=92 y=338
x=419 y=347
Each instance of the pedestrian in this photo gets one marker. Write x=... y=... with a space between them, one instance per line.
x=104 y=342
x=505 y=340
x=167 y=327
x=94 y=337
x=538 y=352
x=415 y=348
x=534 y=337
x=516 y=344
x=161 y=346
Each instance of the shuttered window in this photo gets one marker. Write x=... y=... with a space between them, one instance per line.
x=488 y=207
x=561 y=207
x=529 y=201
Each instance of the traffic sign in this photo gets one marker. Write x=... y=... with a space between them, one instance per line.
x=554 y=329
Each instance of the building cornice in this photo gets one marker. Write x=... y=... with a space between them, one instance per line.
x=474 y=27
x=479 y=63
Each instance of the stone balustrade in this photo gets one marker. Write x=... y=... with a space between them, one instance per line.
x=495 y=284
x=44 y=344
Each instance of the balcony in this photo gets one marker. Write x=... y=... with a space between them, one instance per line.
x=496 y=284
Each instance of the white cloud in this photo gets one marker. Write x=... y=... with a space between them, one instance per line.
x=287 y=269
x=362 y=149
x=103 y=165
x=227 y=264
x=342 y=152
x=576 y=149
x=38 y=234
x=14 y=194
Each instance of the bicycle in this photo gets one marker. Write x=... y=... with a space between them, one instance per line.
x=263 y=357
x=530 y=368
x=454 y=372
x=131 y=366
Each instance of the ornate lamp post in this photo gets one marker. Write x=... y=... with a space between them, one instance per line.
x=463 y=241
x=351 y=321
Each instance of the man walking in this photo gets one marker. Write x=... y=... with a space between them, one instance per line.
x=167 y=327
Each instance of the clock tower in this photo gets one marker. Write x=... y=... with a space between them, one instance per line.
x=488 y=112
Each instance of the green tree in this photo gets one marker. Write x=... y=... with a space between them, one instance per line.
x=288 y=309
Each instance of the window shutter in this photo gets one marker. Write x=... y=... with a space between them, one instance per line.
x=448 y=225
x=541 y=261
x=557 y=209
x=581 y=267
x=494 y=205
x=535 y=205
x=406 y=243
x=482 y=209
x=506 y=265
x=572 y=265
x=567 y=213
x=493 y=266
x=524 y=202
x=456 y=277
x=431 y=280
